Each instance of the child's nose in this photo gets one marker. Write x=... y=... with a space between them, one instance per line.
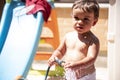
x=80 y=22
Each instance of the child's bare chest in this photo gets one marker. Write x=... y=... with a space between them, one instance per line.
x=77 y=44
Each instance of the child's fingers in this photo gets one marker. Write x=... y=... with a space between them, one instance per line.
x=51 y=61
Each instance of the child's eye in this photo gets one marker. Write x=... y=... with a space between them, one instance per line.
x=76 y=18
x=86 y=19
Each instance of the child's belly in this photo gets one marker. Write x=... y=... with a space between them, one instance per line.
x=74 y=56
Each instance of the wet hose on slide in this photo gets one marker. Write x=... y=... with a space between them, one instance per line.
x=57 y=61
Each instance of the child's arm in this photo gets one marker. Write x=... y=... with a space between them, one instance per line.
x=59 y=53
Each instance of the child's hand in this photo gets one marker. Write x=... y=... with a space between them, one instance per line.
x=51 y=61
x=68 y=65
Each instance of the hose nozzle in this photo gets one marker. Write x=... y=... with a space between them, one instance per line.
x=60 y=62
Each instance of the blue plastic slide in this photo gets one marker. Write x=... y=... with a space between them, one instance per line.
x=19 y=37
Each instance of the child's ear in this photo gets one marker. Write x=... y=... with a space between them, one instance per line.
x=95 y=21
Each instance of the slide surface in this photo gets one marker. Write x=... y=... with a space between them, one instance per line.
x=20 y=40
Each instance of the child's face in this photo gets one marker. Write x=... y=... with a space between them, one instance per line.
x=83 y=21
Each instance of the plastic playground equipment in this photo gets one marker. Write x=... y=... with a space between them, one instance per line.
x=19 y=38
x=49 y=41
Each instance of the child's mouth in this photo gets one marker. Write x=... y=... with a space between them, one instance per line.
x=80 y=27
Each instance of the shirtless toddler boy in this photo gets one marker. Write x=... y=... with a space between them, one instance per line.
x=79 y=48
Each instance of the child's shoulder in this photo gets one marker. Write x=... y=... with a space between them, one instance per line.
x=72 y=33
x=94 y=38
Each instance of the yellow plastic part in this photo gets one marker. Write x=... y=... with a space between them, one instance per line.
x=8 y=1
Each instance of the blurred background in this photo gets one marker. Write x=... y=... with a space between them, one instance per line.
x=63 y=11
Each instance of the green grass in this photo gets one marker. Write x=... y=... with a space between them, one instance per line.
x=59 y=71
